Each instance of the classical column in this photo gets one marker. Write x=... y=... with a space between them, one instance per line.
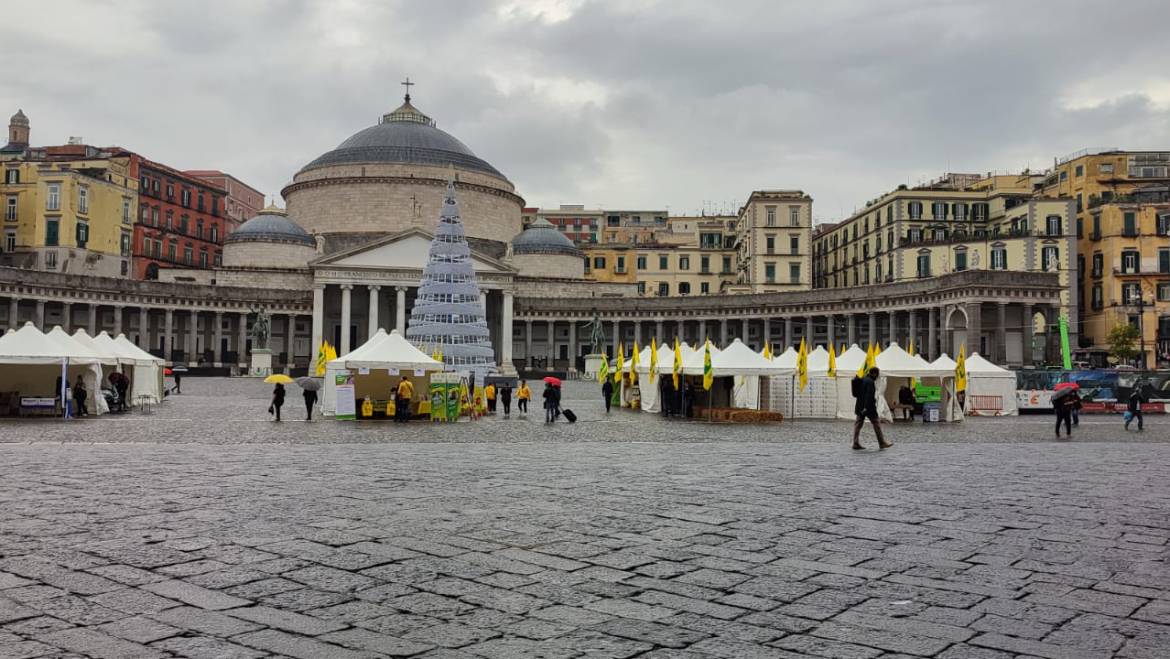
x=217 y=349
x=373 y=314
x=932 y=350
x=872 y=337
x=168 y=332
x=573 y=350
x=787 y=332
x=242 y=340
x=767 y=340
x=974 y=327
x=506 y=332
x=318 y=317
x=1001 y=333
x=67 y=316
x=346 y=290
x=483 y=299
x=617 y=336
x=851 y=329
x=144 y=328
x=13 y=313
x=189 y=344
x=400 y=309
x=40 y=316
x=118 y=309
x=893 y=328
x=809 y=332
x=912 y=324
x=1029 y=334
x=660 y=336
x=528 y=343
x=703 y=331
x=552 y=343
x=746 y=333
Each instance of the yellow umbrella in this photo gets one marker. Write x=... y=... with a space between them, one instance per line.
x=278 y=378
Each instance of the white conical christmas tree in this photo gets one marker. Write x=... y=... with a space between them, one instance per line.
x=447 y=314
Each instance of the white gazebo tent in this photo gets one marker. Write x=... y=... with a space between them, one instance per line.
x=32 y=361
x=991 y=390
x=627 y=391
x=652 y=391
x=149 y=371
x=848 y=363
x=742 y=365
x=110 y=362
x=897 y=367
x=376 y=367
x=83 y=353
x=818 y=400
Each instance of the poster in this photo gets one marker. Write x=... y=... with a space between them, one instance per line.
x=346 y=405
x=444 y=388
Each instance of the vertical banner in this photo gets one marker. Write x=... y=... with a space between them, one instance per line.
x=444 y=391
x=1065 y=353
x=346 y=405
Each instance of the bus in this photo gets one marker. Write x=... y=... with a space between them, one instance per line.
x=1100 y=390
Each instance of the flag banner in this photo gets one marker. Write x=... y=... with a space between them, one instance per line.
x=653 y=358
x=832 y=361
x=961 y=370
x=1065 y=353
x=802 y=365
x=708 y=372
x=676 y=368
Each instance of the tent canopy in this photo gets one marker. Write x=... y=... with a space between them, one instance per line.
x=387 y=351
x=692 y=363
x=79 y=352
x=851 y=360
x=944 y=361
x=786 y=359
x=665 y=358
x=28 y=345
x=108 y=356
x=896 y=362
x=978 y=365
x=739 y=359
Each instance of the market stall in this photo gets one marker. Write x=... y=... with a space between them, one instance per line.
x=373 y=371
x=147 y=372
x=898 y=368
x=991 y=390
x=34 y=368
x=652 y=391
x=737 y=370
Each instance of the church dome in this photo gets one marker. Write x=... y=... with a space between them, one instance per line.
x=271 y=225
x=541 y=237
x=404 y=136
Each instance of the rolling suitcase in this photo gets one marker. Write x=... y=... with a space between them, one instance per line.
x=570 y=415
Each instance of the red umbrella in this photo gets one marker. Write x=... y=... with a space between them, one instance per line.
x=556 y=382
x=1060 y=386
x=168 y=372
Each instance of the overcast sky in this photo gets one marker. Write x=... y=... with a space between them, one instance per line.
x=675 y=104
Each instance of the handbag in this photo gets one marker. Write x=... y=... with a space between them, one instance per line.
x=272 y=409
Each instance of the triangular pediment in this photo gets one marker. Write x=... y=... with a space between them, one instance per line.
x=407 y=250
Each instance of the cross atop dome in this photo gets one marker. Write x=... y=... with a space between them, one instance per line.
x=406 y=111
x=408 y=84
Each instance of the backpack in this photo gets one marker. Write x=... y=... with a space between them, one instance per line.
x=855 y=386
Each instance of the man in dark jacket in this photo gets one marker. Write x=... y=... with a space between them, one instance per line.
x=1133 y=408
x=607 y=393
x=866 y=408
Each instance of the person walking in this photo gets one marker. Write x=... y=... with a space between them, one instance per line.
x=79 y=396
x=178 y=388
x=505 y=394
x=523 y=395
x=1064 y=406
x=1133 y=407
x=866 y=408
x=607 y=393
x=403 y=395
x=277 y=401
x=551 y=402
x=310 y=401
x=489 y=392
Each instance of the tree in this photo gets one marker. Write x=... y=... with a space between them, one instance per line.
x=1121 y=340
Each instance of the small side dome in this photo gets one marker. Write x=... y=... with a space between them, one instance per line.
x=18 y=119
x=271 y=225
x=541 y=237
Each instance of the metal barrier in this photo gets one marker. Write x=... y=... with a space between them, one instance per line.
x=987 y=403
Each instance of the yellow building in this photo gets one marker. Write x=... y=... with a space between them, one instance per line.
x=68 y=209
x=774 y=242
x=1123 y=231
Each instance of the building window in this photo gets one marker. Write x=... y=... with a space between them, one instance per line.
x=620 y=265
x=12 y=176
x=171 y=248
x=1129 y=222
x=641 y=287
x=1164 y=291
x=199 y=203
x=663 y=262
x=1098 y=264
x=1080 y=228
x=82 y=199
x=960 y=212
x=1098 y=297
x=214 y=234
x=1096 y=235
x=125 y=243
x=154 y=186
x=199 y=229
x=1050 y=258
x=939 y=210
x=794 y=216
x=1130 y=261
x=794 y=245
x=684 y=288
x=794 y=273
x=705 y=264
x=915 y=210
x=10 y=242
x=979 y=211
x=82 y=234
x=203 y=258
x=1130 y=293
x=771 y=216
x=1080 y=171
x=183 y=224
x=705 y=288
x=770 y=244
x=599 y=263
x=188 y=254
x=684 y=263
x=726 y=264
x=877 y=271
x=770 y=273
x=10 y=209
x=1163 y=225
x=186 y=198
x=1052 y=223
x=52 y=231
x=51 y=259
x=640 y=263
x=53 y=197
x=924 y=264
x=170 y=191
x=145 y=184
x=960 y=260
x=125 y=210
x=663 y=289
x=1164 y=260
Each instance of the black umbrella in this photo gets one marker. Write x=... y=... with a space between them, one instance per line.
x=309 y=384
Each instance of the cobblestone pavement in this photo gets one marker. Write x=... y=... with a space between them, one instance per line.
x=205 y=531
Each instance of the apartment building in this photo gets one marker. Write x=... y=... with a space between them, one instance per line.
x=773 y=242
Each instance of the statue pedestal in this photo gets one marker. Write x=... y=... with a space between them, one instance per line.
x=592 y=365
x=261 y=363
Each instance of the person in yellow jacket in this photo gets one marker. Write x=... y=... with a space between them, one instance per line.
x=403 y=395
x=489 y=392
x=523 y=395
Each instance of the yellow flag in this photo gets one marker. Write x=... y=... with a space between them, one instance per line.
x=676 y=368
x=802 y=365
x=865 y=364
x=653 y=358
x=961 y=370
x=634 y=363
x=832 y=361
x=910 y=351
x=768 y=351
x=603 y=370
x=708 y=371
x=620 y=370
x=322 y=355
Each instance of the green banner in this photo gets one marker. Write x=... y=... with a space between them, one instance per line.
x=1065 y=352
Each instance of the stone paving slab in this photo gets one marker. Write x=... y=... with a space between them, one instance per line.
x=621 y=537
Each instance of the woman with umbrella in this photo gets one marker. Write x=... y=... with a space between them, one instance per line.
x=1064 y=403
x=277 y=392
x=309 y=388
